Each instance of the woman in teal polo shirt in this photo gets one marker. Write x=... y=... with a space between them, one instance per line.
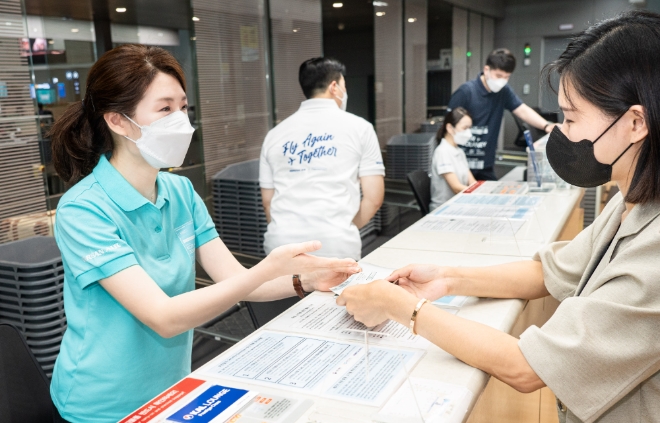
x=129 y=237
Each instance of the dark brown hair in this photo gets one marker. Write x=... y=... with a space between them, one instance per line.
x=501 y=59
x=452 y=117
x=316 y=74
x=116 y=83
x=614 y=65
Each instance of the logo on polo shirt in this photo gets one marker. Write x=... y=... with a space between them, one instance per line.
x=313 y=147
x=100 y=252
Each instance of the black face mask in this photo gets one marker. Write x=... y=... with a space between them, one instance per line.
x=575 y=162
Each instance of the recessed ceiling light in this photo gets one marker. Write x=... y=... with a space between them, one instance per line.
x=411 y=20
x=337 y=5
x=120 y=9
x=380 y=4
x=341 y=26
x=195 y=18
x=296 y=29
x=380 y=13
x=74 y=29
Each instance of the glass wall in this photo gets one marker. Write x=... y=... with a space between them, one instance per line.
x=234 y=87
x=63 y=48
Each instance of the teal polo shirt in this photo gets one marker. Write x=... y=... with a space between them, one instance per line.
x=110 y=363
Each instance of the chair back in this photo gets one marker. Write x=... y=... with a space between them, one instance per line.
x=263 y=312
x=25 y=389
x=420 y=183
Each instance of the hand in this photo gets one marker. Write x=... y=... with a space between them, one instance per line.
x=292 y=259
x=423 y=280
x=323 y=280
x=375 y=302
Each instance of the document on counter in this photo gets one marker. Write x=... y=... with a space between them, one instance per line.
x=370 y=273
x=474 y=210
x=498 y=187
x=499 y=200
x=484 y=226
x=317 y=366
x=320 y=315
x=437 y=402
x=194 y=399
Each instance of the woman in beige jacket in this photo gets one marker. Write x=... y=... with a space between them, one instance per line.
x=600 y=351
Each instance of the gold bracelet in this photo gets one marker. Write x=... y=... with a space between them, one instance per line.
x=413 y=318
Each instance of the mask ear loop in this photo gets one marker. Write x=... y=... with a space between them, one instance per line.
x=134 y=123
x=608 y=128
x=344 y=92
x=621 y=155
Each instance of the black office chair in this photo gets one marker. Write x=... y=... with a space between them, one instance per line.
x=420 y=183
x=24 y=391
x=263 y=312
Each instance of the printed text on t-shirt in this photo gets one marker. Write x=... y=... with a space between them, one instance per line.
x=101 y=251
x=308 y=150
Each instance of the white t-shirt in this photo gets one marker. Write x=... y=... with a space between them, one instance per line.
x=447 y=159
x=313 y=160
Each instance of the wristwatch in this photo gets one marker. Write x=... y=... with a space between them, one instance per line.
x=297 y=285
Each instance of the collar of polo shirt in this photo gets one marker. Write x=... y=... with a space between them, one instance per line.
x=319 y=103
x=121 y=191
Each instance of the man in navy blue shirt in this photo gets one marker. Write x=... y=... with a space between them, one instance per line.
x=485 y=98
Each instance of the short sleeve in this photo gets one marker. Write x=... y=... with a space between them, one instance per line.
x=443 y=162
x=91 y=244
x=371 y=162
x=511 y=100
x=564 y=263
x=458 y=99
x=265 y=169
x=204 y=227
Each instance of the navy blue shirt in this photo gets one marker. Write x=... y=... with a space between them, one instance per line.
x=486 y=109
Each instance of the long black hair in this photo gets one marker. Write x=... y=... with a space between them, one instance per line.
x=614 y=65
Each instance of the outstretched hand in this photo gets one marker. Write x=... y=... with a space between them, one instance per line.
x=324 y=279
x=293 y=259
x=422 y=280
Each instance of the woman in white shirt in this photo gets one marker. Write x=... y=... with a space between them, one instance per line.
x=450 y=173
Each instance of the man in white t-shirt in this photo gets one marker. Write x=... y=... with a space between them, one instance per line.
x=314 y=164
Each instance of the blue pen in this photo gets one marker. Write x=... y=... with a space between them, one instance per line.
x=530 y=144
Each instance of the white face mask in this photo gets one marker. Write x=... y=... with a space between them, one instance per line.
x=343 y=99
x=165 y=142
x=495 y=85
x=462 y=137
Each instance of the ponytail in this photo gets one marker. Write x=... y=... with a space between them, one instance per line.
x=76 y=147
x=118 y=81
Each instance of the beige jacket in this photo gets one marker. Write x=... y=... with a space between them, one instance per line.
x=600 y=352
